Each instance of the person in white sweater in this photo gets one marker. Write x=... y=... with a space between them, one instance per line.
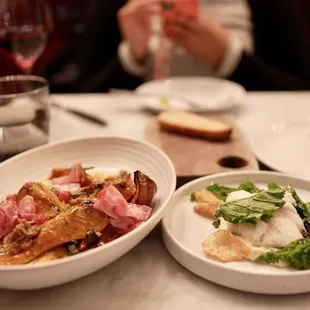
x=225 y=26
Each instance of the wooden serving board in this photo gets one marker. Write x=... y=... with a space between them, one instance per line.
x=195 y=157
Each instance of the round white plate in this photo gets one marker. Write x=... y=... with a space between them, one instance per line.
x=208 y=94
x=285 y=147
x=184 y=232
x=101 y=152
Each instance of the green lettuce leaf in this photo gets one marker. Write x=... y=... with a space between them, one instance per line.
x=305 y=207
x=221 y=192
x=249 y=210
x=296 y=255
x=249 y=187
x=272 y=186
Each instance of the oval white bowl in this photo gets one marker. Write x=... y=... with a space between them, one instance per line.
x=101 y=152
x=184 y=231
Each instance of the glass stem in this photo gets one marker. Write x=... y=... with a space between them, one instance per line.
x=27 y=71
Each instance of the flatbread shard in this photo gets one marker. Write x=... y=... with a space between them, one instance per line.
x=207 y=203
x=206 y=209
x=226 y=247
x=204 y=195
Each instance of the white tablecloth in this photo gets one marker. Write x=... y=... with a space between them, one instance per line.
x=148 y=278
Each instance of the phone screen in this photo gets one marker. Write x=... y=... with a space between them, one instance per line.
x=185 y=7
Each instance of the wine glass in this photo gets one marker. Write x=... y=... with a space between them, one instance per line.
x=24 y=28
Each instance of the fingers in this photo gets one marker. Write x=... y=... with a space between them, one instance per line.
x=186 y=22
x=176 y=32
x=181 y=27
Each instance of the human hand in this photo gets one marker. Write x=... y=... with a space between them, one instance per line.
x=202 y=38
x=134 y=22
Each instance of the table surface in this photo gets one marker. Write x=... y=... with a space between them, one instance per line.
x=148 y=277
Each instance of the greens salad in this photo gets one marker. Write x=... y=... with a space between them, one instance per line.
x=261 y=206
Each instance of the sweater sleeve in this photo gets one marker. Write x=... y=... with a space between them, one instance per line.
x=128 y=61
x=235 y=16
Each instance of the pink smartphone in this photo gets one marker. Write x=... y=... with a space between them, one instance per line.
x=186 y=7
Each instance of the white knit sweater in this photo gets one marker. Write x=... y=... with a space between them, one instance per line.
x=234 y=15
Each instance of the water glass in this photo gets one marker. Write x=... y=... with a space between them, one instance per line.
x=24 y=114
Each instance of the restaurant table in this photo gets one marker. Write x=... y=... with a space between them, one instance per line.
x=148 y=278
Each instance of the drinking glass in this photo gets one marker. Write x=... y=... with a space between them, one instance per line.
x=24 y=28
x=24 y=114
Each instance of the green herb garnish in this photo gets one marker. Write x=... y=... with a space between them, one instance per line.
x=2 y=250
x=165 y=102
x=296 y=255
x=193 y=198
x=72 y=249
x=249 y=210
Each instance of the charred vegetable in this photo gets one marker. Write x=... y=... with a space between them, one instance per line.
x=146 y=189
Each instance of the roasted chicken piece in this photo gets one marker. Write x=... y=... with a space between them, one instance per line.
x=59 y=172
x=146 y=189
x=46 y=201
x=21 y=238
x=123 y=183
x=89 y=194
x=86 y=195
x=72 y=224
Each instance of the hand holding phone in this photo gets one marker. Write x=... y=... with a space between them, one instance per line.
x=172 y=8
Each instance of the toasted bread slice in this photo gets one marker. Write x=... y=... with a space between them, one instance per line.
x=194 y=125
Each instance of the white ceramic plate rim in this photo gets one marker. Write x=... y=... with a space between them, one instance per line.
x=208 y=260
x=265 y=133
x=223 y=105
x=71 y=259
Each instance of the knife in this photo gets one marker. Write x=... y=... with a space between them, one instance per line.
x=83 y=115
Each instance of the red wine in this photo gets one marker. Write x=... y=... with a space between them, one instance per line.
x=26 y=43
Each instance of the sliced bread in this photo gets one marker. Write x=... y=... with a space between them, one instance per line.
x=194 y=125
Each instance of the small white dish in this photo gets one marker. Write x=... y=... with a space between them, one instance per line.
x=101 y=152
x=285 y=147
x=184 y=232
x=195 y=94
